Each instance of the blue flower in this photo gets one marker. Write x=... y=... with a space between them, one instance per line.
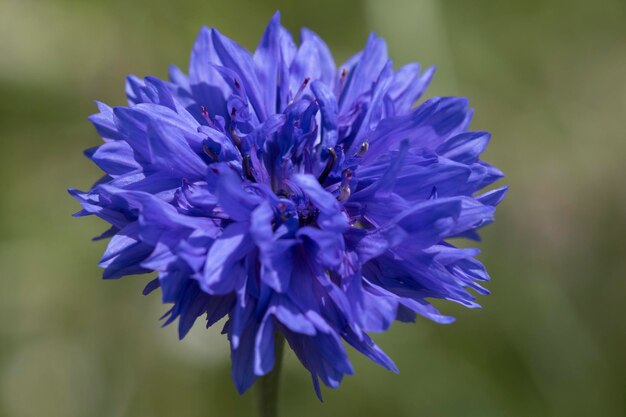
x=292 y=196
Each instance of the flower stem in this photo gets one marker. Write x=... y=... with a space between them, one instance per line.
x=267 y=385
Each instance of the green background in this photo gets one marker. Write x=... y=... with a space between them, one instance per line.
x=546 y=77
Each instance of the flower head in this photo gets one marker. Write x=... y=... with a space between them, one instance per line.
x=293 y=196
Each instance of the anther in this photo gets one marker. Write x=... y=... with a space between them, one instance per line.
x=344 y=189
x=205 y=113
x=433 y=193
x=301 y=89
x=342 y=82
x=330 y=163
x=209 y=152
x=233 y=134
x=344 y=193
x=236 y=138
x=247 y=168
x=363 y=149
x=237 y=85
x=346 y=177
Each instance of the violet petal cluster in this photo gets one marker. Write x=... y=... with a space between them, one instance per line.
x=293 y=197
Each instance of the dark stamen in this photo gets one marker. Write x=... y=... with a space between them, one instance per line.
x=364 y=147
x=330 y=163
x=247 y=168
x=237 y=86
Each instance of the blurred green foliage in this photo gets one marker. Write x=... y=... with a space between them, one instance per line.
x=546 y=77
